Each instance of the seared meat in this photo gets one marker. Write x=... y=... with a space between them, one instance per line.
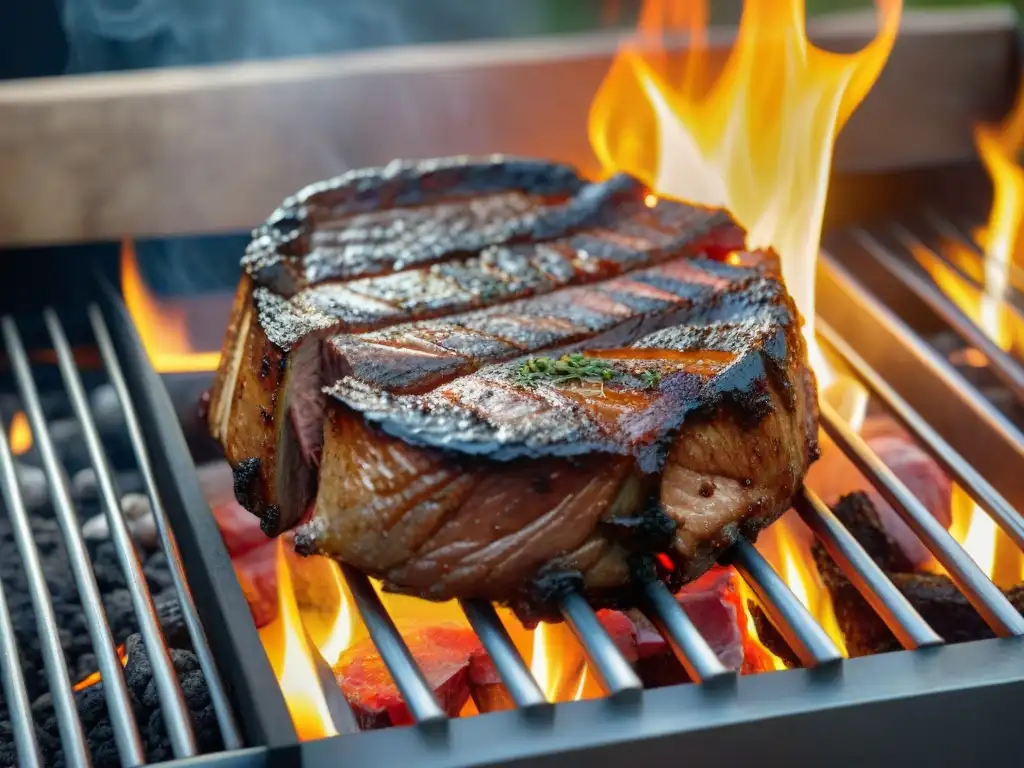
x=403 y=376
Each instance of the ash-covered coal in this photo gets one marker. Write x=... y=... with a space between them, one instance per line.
x=71 y=616
x=92 y=710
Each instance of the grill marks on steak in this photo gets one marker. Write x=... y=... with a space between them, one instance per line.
x=721 y=443
x=438 y=470
x=283 y=315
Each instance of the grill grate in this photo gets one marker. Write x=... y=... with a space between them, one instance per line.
x=145 y=412
x=173 y=707
x=806 y=637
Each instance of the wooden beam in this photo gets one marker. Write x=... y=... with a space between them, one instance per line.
x=183 y=151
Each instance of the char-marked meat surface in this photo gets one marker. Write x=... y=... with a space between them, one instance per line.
x=488 y=378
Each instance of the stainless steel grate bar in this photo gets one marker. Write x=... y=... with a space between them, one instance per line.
x=415 y=690
x=172 y=699
x=510 y=665
x=985 y=596
x=881 y=594
x=126 y=733
x=689 y=646
x=200 y=645
x=610 y=667
x=1002 y=364
x=68 y=723
x=15 y=695
x=809 y=641
x=1005 y=516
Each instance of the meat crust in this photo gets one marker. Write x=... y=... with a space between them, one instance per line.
x=372 y=384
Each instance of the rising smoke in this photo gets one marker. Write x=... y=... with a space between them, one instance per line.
x=113 y=35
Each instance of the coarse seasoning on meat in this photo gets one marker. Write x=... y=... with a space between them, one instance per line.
x=490 y=378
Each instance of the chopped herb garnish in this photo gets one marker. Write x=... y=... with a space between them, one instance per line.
x=651 y=378
x=575 y=367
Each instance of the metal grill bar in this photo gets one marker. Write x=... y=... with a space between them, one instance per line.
x=200 y=645
x=923 y=377
x=985 y=596
x=1002 y=364
x=610 y=667
x=115 y=690
x=952 y=462
x=510 y=665
x=416 y=692
x=70 y=727
x=689 y=646
x=804 y=635
x=172 y=699
x=882 y=595
x=15 y=695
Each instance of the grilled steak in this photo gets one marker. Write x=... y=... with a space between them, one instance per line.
x=491 y=379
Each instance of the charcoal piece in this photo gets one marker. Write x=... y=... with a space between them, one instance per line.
x=858 y=514
x=771 y=638
x=934 y=596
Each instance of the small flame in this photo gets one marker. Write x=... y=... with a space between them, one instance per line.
x=787 y=545
x=988 y=545
x=557 y=662
x=751 y=637
x=161 y=325
x=290 y=652
x=95 y=677
x=20 y=437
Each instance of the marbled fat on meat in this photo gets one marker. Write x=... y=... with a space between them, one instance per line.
x=371 y=389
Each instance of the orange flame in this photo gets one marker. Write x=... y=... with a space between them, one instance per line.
x=20 y=436
x=985 y=302
x=290 y=651
x=95 y=677
x=557 y=663
x=161 y=325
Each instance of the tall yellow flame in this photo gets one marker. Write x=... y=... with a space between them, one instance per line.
x=757 y=139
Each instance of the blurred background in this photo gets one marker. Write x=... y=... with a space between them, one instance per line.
x=57 y=37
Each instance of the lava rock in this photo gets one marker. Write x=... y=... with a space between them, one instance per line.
x=35 y=491
x=138 y=512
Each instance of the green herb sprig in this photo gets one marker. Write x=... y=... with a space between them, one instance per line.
x=650 y=378
x=574 y=367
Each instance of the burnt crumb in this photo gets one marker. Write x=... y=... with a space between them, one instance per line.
x=270 y=521
x=247 y=485
x=651 y=530
x=266 y=416
x=264 y=367
x=541 y=597
x=746 y=482
x=707 y=489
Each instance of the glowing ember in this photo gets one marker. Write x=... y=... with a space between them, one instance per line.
x=20 y=437
x=95 y=677
x=161 y=325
